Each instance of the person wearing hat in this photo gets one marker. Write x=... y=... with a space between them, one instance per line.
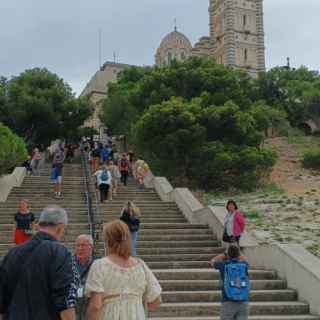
x=39 y=279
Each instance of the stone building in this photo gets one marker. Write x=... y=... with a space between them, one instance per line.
x=174 y=46
x=96 y=90
x=237 y=33
x=236 y=37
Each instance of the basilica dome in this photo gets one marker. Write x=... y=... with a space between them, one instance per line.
x=174 y=46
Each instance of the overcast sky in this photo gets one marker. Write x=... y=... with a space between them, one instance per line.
x=62 y=35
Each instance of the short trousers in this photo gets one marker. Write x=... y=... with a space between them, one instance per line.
x=56 y=175
x=234 y=310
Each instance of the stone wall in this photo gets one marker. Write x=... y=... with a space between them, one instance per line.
x=10 y=181
x=292 y=262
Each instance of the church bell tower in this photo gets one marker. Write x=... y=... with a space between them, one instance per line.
x=237 y=32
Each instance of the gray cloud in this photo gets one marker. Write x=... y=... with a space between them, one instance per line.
x=63 y=35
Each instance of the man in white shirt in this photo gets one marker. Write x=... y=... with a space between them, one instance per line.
x=104 y=179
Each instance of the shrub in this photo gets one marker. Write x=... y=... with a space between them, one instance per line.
x=311 y=159
x=12 y=150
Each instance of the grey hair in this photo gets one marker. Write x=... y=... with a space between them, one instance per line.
x=87 y=237
x=52 y=216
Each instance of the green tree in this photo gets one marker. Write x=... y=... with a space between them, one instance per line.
x=170 y=136
x=213 y=147
x=198 y=122
x=12 y=150
x=40 y=106
x=139 y=88
x=287 y=90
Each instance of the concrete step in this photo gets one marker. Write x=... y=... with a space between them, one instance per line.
x=259 y=317
x=213 y=309
x=80 y=216
x=208 y=274
x=205 y=285
x=182 y=257
x=178 y=264
x=215 y=296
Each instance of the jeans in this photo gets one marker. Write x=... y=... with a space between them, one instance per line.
x=134 y=238
x=234 y=310
x=104 y=189
x=35 y=167
x=124 y=177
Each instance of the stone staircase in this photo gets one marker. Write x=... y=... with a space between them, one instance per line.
x=175 y=250
x=178 y=253
x=39 y=191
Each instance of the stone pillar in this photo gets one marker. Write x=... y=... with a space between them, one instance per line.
x=230 y=40
x=260 y=40
x=211 y=19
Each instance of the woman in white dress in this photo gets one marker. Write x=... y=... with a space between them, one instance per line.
x=120 y=287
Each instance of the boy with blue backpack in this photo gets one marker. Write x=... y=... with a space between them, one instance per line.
x=235 y=284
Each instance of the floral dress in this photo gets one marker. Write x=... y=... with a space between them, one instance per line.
x=135 y=286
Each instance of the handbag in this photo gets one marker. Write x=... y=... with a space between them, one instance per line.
x=226 y=237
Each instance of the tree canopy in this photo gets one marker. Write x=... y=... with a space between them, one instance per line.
x=39 y=106
x=12 y=150
x=197 y=121
x=295 y=91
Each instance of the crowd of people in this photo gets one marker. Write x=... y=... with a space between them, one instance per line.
x=110 y=168
x=41 y=279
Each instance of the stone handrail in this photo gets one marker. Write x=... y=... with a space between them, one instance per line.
x=10 y=181
x=293 y=263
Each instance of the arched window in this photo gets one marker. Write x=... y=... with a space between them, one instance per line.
x=169 y=57
x=183 y=55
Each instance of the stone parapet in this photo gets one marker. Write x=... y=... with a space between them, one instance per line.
x=293 y=263
x=10 y=181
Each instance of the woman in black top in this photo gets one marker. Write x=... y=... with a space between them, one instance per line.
x=130 y=216
x=24 y=223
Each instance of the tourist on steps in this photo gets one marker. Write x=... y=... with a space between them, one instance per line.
x=130 y=215
x=234 y=224
x=115 y=175
x=124 y=166
x=84 y=259
x=104 y=181
x=24 y=223
x=35 y=163
x=57 y=168
x=104 y=154
x=95 y=157
x=119 y=285
x=235 y=284
x=142 y=171
x=38 y=279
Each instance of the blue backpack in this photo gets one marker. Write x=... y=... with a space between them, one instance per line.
x=104 y=176
x=236 y=282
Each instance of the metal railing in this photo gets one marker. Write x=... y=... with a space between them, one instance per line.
x=88 y=196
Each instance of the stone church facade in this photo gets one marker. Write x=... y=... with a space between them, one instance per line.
x=236 y=37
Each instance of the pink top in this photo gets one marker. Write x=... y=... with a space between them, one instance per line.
x=239 y=224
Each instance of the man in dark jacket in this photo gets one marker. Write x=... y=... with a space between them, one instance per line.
x=39 y=280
